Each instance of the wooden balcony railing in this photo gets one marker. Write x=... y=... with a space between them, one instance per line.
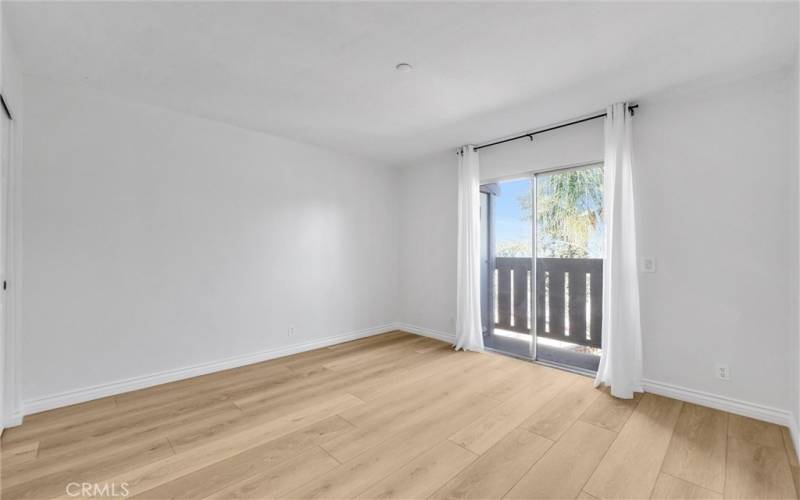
x=569 y=303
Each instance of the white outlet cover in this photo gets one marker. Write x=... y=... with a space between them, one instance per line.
x=647 y=264
x=723 y=372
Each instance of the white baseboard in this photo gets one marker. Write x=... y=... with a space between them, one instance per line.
x=13 y=420
x=426 y=332
x=731 y=405
x=141 y=382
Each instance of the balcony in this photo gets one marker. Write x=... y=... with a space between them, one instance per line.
x=568 y=307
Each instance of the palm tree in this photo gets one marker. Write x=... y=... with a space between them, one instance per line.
x=570 y=208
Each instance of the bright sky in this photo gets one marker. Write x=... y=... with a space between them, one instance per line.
x=509 y=223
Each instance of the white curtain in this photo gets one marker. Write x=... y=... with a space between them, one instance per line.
x=468 y=296
x=621 y=361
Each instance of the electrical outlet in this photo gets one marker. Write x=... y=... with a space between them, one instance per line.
x=647 y=264
x=723 y=372
x=291 y=331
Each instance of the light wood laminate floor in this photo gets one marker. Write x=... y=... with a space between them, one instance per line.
x=394 y=416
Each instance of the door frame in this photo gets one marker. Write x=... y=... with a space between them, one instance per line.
x=532 y=176
x=490 y=190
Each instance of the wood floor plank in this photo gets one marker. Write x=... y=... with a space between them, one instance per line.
x=366 y=342
x=375 y=348
x=248 y=463
x=522 y=378
x=474 y=370
x=55 y=484
x=378 y=420
x=279 y=403
x=609 y=412
x=631 y=466
x=77 y=459
x=89 y=451
x=552 y=420
x=281 y=479
x=353 y=477
x=414 y=376
x=77 y=411
x=672 y=488
x=791 y=453
x=486 y=432
x=789 y=445
x=755 y=431
x=194 y=388
x=21 y=453
x=497 y=470
x=165 y=402
x=40 y=424
x=697 y=450
x=564 y=469
x=365 y=358
x=430 y=345
x=424 y=474
x=327 y=382
x=158 y=472
x=157 y=425
x=757 y=464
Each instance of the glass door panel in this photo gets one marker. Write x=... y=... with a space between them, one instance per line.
x=569 y=266
x=509 y=283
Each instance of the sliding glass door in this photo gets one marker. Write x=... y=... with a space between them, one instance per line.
x=543 y=266
x=511 y=254
x=569 y=266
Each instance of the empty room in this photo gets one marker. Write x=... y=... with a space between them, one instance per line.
x=399 y=250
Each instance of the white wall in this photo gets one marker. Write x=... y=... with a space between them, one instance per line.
x=715 y=184
x=428 y=232
x=795 y=103
x=155 y=241
x=715 y=193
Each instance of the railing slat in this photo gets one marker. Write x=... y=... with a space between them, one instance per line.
x=503 y=294
x=577 y=303
x=556 y=297
x=521 y=295
x=541 y=304
x=596 y=296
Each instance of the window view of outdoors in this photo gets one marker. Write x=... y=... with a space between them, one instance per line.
x=513 y=219
x=569 y=230
x=569 y=250
x=569 y=218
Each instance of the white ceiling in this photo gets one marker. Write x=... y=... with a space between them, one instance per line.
x=324 y=72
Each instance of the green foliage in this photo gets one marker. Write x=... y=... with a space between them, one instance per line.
x=570 y=208
x=513 y=249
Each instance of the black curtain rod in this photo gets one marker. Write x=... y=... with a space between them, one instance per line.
x=548 y=129
x=5 y=107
